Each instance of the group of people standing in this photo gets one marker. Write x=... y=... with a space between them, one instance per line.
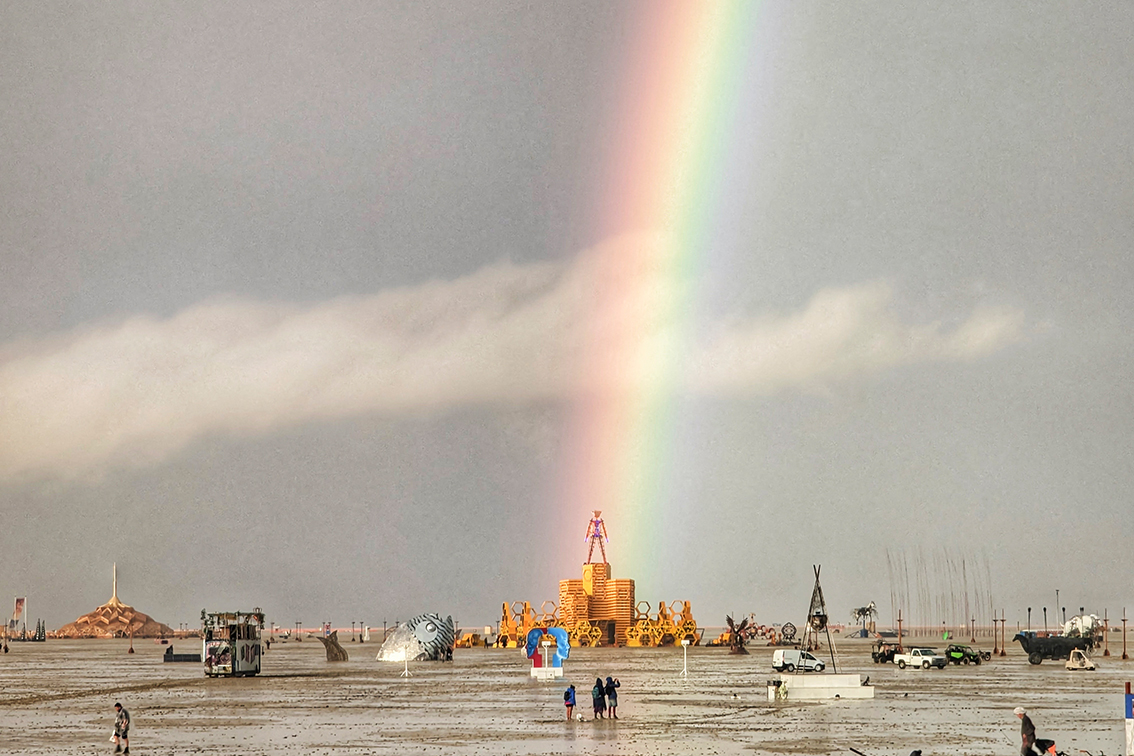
x=604 y=697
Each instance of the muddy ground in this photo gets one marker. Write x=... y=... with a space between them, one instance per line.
x=57 y=698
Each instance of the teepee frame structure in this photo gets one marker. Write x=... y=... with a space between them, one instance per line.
x=817 y=617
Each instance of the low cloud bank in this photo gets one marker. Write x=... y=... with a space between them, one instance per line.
x=139 y=390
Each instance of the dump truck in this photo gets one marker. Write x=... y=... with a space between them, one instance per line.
x=1039 y=647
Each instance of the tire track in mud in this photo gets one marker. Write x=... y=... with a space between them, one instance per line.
x=77 y=694
x=141 y=687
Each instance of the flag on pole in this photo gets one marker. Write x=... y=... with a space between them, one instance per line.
x=17 y=612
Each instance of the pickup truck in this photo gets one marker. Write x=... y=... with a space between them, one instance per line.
x=920 y=657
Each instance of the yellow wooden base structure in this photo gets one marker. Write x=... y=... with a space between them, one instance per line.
x=600 y=611
x=668 y=626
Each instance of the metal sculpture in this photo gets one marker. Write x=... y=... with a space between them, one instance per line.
x=754 y=631
x=817 y=620
x=436 y=636
x=736 y=635
x=817 y=612
x=426 y=637
x=596 y=533
x=864 y=615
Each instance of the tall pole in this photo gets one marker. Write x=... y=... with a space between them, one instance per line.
x=1105 y=634
x=900 y=632
x=972 y=638
x=1029 y=619
x=1045 y=620
x=1124 y=656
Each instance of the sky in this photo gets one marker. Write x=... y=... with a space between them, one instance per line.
x=355 y=311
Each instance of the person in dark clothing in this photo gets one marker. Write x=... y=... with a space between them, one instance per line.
x=1027 y=733
x=611 y=689
x=598 y=695
x=121 y=729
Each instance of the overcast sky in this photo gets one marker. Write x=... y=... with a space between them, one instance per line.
x=293 y=304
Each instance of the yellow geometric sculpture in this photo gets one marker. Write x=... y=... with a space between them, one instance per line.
x=115 y=620
x=598 y=610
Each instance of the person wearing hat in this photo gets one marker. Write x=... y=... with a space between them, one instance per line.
x=1027 y=732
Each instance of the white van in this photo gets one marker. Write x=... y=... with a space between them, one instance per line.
x=791 y=659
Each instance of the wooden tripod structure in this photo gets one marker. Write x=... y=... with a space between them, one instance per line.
x=817 y=620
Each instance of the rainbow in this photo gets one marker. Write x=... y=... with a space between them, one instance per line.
x=686 y=89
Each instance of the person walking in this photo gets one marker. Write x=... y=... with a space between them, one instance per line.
x=1027 y=733
x=121 y=729
x=611 y=689
x=598 y=696
x=569 y=701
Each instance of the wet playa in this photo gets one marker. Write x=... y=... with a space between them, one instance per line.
x=57 y=698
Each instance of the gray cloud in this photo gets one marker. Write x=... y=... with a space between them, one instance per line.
x=842 y=334
x=136 y=391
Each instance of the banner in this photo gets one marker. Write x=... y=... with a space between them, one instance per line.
x=1129 y=722
x=17 y=612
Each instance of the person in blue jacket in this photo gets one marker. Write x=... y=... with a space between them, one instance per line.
x=612 y=686
x=569 y=701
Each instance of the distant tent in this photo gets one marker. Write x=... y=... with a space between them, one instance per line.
x=114 y=620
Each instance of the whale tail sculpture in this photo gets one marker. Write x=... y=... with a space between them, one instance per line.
x=335 y=652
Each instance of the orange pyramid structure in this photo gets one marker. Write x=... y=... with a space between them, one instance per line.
x=114 y=620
